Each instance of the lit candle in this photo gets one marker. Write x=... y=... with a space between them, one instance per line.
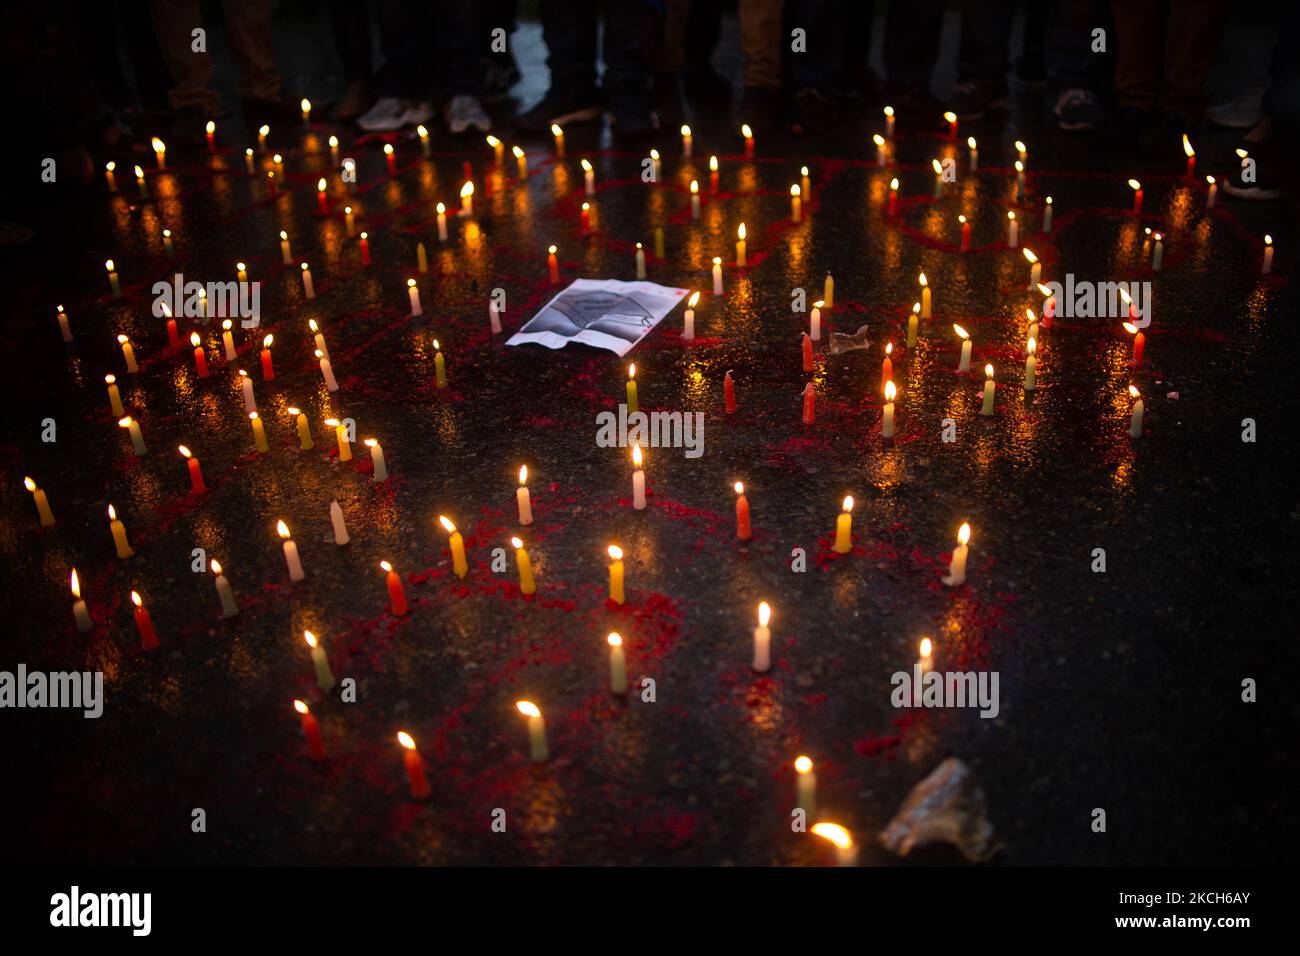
x=318 y=337
x=589 y=178
x=1035 y=268
x=338 y=525
x=743 y=532
x=1139 y=409
x=964 y=364
x=1212 y=194
x=887 y=366
x=113 y=283
x=1267 y=265
x=957 y=566
x=740 y=246
x=250 y=403
x=268 y=370
x=304 y=431
x=809 y=404
x=286 y=255
x=938 y=177
x=1047 y=215
x=695 y=199
x=364 y=247
x=844 y=527
x=804 y=183
x=241 y=272
x=211 y=130
x=439 y=366
x=1033 y=323
x=912 y=322
x=828 y=291
x=521 y=161
x=413 y=296
x=880 y=150
x=259 y=433
x=526 y=583
x=64 y=329
x=686 y=142
x=640 y=261
x=717 y=275
x=350 y=221
x=815 y=321
x=965 y=233
x=763 y=639
x=200 y=357
x=632 y=406
x=728 y=393
x=617 y=664
x=1191 y=156
x=228 y=606
x=197 y=487
x=140 y=183
x=262 y=133
x=119 y=534
x=925 y=295
x=324 y=676
x=79 y=611
x=144 y=623
x=987 y=407
x=559 y=140
x=248 y=162
x=846 y=854
x=806 y=347
x=415 y=776
x=109 y=167
x=498 y=148
x=1020 y=178
x=457 y=544
x=889 y=121
x=311 y=731
x=584 y=218
x=423 y=132
x=322 y=202
x=1137 y=196
x=272 y=190
x=396 y=596
x=951 y=119
x=167 y=242
x=638 y=480
x=291 y=555
x=713 y=174
x=536 y=729
x=887 y=422
x=1013 y=231
x=748 y=133
x=796 y=204
x=137 y=437
x=688 y=325
x=553 y=265
x=42 y=503
x=1049 y=305
x=114 y=396
x=377 y=459
x=442 y=222
x=973 y=153
x=522 y=497
x=391 y=159
x=467 y=199
x=341 y=436
x=1139 y=341
x=308 y=289
x=806 y=787
x=893 y=197
x=616 y=574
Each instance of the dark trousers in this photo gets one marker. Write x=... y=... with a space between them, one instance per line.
x=429 y=47
x=569 y=27
x=1165 y=50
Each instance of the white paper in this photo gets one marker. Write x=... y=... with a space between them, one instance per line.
x=604 y=313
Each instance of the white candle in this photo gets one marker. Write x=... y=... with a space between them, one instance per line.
x=688 y=325
x=286 y=255
x=638 y=480
x=64 y=329
x=1212 y=194
x=987 y=407
x=308 y=289
x=686 y=142
x=880 y=149
x=290 y=553
x=536 y=730
x=1267 y=267
x=1135 y=423
x=974 y=153
x=327 y=371
x=250 y=403
x=84 y=623
x=522 y=497
x=1013 y=230
x=140 y=183
x=137 y=438
x=228 y=340
x=695 y=199
x=521 y=162
x=806 y=792
x=1035 y=268
x=846 y=854
x=589 y=178
x=1031 y=364
x=228 y=606
x=109 y=167
x=640 y=261
x=964 y=364
x=559 y=140
x=349 y=221
x=112 y=281
x=889 y=121
x=318 y=337
x=114 y=396
x=324 y=676
x=717 y=276
x=467 y=200
x=763 y=639
x=1158 y=253
x=617 y=665
x=1047 y=215
x=442 y=222
x=925 y=296
x=338 y=524
x=815 y=321
x=377 y=459
x=957 y=566
x=887 y=424
x=413 y=293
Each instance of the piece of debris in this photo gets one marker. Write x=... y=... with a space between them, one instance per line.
x=945 y=807
x=841 y=342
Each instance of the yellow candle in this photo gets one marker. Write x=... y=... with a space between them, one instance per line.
x=521 y=161
x=439 y=365
x=341 y=434
x=925 y=295
x=458 y=563
x=846 y=853
x=536 y=729
x=616 y=574
x=806 y=795
x=114 y=396
x=498 y=147
x=796 y=204
x=631 y=389
x=304 y=431
x=526 y=583
x=79 y=610
x=987 y=407
x=559 y=140
x=522 y=497
x=844 y=527
x=740 y=246
x=119 y=534
x=686 y=141
x=828 y=292
x=617 y=664
x=42 y=503
x=259 y=433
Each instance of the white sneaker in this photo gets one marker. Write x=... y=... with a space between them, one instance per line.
x=1242 y=113
x=463 y=111
x=386 y=115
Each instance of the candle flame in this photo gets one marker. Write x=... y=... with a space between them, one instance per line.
x=764 y=613
x=1130 y=328
x=988 y=370
x=695 y=186
x=961 y=332
x=29 y=484
x=717 y=261
x=441 y=209
x=210 y=127
x=803 y=171
x=1032 y=345
x=1020 y=167
x=937 y=167
x=310 y=638
x=847 y=504
x=139 y=173
x=686 y=130
x=386 y=566
x=523 y=474
x=136 y=599
x=1046 y=290
x=108 y=264
x=216 y=566
x=371 y=443
x=410 y=283
x=1187 y=146
x=263 y=130
x=1210 y=180
x=691 y=302
x=1020 y=147
x=467 y=190
x=654 y=154
x=112 y=513
x=493 y=141
x=406 y=740
x=282 y=529
x=332 y=422
x=878 y=140
x=1132 y=390
x=835 y=833
x=963 y=533
x=970 y=141
x=889 y=349
x=446 y=523
x=740 y=232
x=713 y=164
x=304 y=267
x=795 y=190
x=615 y=552
x=253 y=416
x=893 y=185
x=1011 y=215
x=299 y=706
x=740 y=487
x=388 y=149
x=636 y=455
x=746 y=132
x=519 y=153
x=517 y=543
x=551 y=250
x=1268 y=240
x=890 y=391
x=320 y=185
x=555 y=130
x=124 y=422
x=819 y=303
x=1029 y=314
x=76 y=585
x=294 y=411
x=631 y=371
x=803 y=765
x=1134 y=184
x=422 y=131
x=586 y=166
x=916 y=307
x=194 y=339
x=1029 y=255
x=1048 y=200
x=266 y=342
x=961 y=219
x=614 y=639
x=922 y=280
x=927 y=647
x=888 y=111
x=528 y=708
x=185 y=451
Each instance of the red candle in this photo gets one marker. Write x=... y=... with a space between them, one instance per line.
x=143 y=623
x=748 y=133
x=965 y=233
x=742 y=513
x=414 y=766
x=1049 y=307
x=272 y=190
x=211 y=130
x=554 y=265
x=268 y=371
x=197 y=487
x=729 y=393
x=392 y=161
x=1139 y=342
x=893 y=197
x=808 y=403
x=952 y=125
x=586 y=218
x=173 y=340
x=887 y=367
x=365 y=249
x=321 y=202
x=1191 y=156
x=396 y=596
x=200 y=360
x=807 y=353
x=310 y=730
x=1137 y=196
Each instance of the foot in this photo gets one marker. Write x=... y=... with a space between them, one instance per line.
x=761 y=109
x=812 y=112
x=391 y=113
x=1241 y=113
x=1257 y=180
x=1164 y=136
x=1077 y=110
x=462 y=112
x=280 y=114
x=563 y=107
x=500 y=73
x=971 y=99
x=357 y=99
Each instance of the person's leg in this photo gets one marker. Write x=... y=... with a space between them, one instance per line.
x=985 y=30
x=248 y=33
x=1192 y=37
x=1139 y=35
x=1073 y=69
x=569 y=28
x=457 y=50
x=174 y=22
x=911 y=43
x=351 y=23
x=820 y=20
x=405 y=29
x=147 y=66
x=760 y=41
x=629 y=28
x=703 y=29
x=669 y=53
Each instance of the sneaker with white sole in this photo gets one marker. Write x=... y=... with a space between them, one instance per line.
x=391 y=113
x=463 y=111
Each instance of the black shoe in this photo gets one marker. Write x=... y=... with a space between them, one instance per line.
x=1264 y=182
x=971 y=99
x=1164 y=136
x=1078 y=110
x=761 y=109
x=706 y=86
x=563 y=108
x=812 y=112
x=189 y=129
x=500 y=73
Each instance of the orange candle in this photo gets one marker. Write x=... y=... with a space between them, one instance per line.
x=200 y=359
x=807 y=353
x=396 y=596
x=809 y=404
x=414 y=767
x=268 y=370
x=310 y=730
x=887 y=366
x=196 y=476
x=554 y=265
x=742 y=513
x=143 y=623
